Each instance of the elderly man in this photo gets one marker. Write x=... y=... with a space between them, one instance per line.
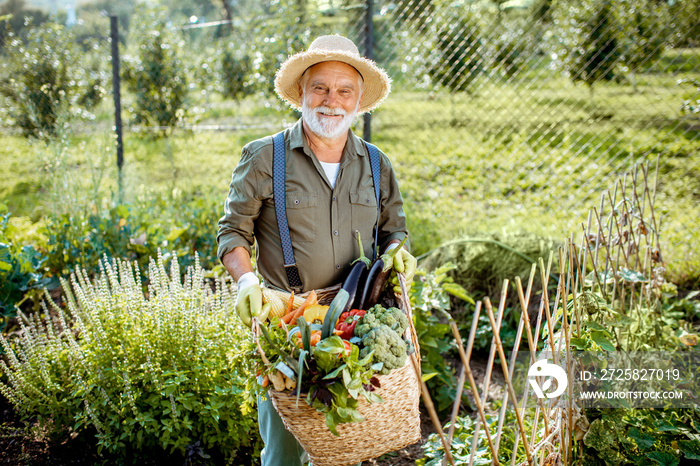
x=303 y=194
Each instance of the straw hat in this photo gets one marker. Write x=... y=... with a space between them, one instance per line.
x=332 y=48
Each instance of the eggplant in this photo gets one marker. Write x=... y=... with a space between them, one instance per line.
x=352 y=283
x=378 y=276
x=356 y=278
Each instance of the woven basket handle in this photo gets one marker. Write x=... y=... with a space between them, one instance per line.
x=405 y=305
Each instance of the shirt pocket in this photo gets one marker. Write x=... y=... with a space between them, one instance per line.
x=302 y=215
x=363 y=206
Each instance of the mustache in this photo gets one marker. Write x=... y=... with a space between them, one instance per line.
x=330 y=111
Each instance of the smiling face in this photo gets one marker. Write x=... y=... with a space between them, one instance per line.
x=330 y=97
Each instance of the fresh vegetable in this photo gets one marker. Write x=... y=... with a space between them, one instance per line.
x=291 y=301
x=347 y=321
x=291 y=318
x=314 y=313
x=378 y=276
x=346 y=377
x=387 y=347
x=277 y=306
x=277 y=379
x=356 y=275
x=371 y=278
x=378 y=315
x=336 y=308
x=315 y=338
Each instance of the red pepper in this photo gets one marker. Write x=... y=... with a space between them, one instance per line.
x=347 y=321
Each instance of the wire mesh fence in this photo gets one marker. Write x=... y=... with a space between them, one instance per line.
x=550 y=100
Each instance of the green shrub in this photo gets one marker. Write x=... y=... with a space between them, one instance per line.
x=19 y=268
x=461 y=447
x=234 y=74
x=143 y=373
x=184 y=224
x=156 y=75
x=48 y=79
x=460 y=52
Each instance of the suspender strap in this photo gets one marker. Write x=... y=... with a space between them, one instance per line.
x=279 y=194
x=278 y=182
x=376 y=178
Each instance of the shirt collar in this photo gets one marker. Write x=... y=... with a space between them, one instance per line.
x=353 y=146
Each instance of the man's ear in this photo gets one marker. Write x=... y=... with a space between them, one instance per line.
x=301 y=95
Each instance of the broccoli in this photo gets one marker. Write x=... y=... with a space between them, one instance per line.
x=377 y=315
x=388 y=346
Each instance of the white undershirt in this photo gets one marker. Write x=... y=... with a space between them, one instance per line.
x=331 y=170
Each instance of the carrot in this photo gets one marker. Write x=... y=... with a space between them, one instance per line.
x=291 y=318
x=265 y=381
x=290 y=304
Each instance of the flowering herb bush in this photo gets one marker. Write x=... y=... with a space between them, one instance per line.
x=154 y=372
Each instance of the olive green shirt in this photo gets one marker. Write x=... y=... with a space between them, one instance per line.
x=322 y=220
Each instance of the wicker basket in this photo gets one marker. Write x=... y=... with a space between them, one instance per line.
x=388 y=426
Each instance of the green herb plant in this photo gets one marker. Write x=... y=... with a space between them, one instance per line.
x=142 y=373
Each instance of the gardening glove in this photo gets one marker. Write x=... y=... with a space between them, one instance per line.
x=404 y=263
x=249 y=299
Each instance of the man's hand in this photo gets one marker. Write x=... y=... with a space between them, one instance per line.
x=402 y=262
x=249 y=300
x=405 y=263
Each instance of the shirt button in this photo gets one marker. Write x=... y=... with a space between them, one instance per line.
x=334 y=198
x=335 y=232
x=337 y=266
x=296 y=201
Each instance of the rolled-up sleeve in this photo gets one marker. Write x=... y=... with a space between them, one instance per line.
x=241 y=208
x=392 y=219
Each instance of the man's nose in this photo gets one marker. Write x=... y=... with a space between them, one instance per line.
x=331 y=98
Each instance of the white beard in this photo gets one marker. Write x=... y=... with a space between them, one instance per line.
x=326 y=128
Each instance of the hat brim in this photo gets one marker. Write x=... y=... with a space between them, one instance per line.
x=377 y=83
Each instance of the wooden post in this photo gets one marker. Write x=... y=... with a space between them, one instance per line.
x=369 y=53
x=114 y=38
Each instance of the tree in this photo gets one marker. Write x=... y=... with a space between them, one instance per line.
x=459 y=58
x=598 y=52
x=646 y=33
x=13 y=15
x=45 y=81
x=156 y=75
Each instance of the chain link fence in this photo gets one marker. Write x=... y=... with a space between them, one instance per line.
x=506 y=110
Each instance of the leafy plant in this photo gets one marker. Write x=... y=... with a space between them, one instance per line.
x=185 y=224
x=45 y=81
x=459 y=48
x=461 y=447
x=430 y=300
x=142 y=373
x=19 y=270
x=155 y=74
x=641 y=437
